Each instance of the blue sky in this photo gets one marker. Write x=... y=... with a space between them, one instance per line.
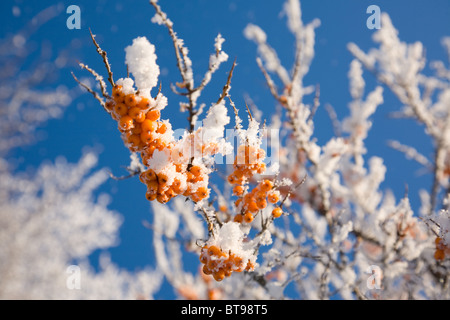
x=116 y=23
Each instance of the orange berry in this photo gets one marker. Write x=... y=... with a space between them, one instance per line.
x=162 y=198
x=223 y=208
x=163 y=178
x=126 y=123
x=117 y=92
x=248 y=217
x=214 y=251
x=219 y=275
x=252 y=207
x=147 y=175
x=202 y=192
x=134 y=140
x=143 y=104
x=212 y=264
x=146 y=137
x=195 y=170
x=266 y=185
x=162 y=128
x=260 y=196
x=120 y=109
x=238 y=191
x=130 y=100
x=206 y=270
x=109 y=105
x=232 y=179
x=176 y=186
x=137 y=129
x=250 y=266
x=148 y=125
x=150 y=196
x=273 y=197
x=204 y=257
x=277 y=212
x=153 y=115
x=439 y=255
x=137 y=114
x=261 y=168
x=238 y=218
x=152 y=186
x=261 y=204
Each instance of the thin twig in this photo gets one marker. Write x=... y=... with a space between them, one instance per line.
x=226 y=87
x=95 y=94
x=105 y=59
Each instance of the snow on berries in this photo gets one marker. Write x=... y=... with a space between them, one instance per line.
x=225 y=253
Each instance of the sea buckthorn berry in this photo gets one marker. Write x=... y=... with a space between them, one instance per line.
x=152 y=186
x=214 y=250
x=261 y=204
x=202 y=192
x=273 y=197
x=439 y=255
x=195 y=170
x=252 y=207
x=117 y=91
x=134 y=140
x=261 y=168
x=137 y=129
x=277 y=212
x=147 y=137
x=147 y=175
x=176 y=186
x=144 y=104
x=266 y=185
x=163 y=178
x=260 y=196
x=153 y=115
x=250 y=266
x=238 y=218
x=137 y=114
x=212 y=264
x=238 y=190
x=219 y=275
x=162 y=198
x=130 y=100
x=232 y=179
x=150 y=196
x=109 y=105
x=120 y=109
x=148 y=125
x=248 y=217
x=206 y=270
x=162 y=128
x=204 y=257
x=126 y=123
x=170 y=193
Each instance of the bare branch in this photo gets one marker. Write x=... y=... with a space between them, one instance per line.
x=105 y=59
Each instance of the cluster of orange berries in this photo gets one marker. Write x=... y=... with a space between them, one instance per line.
x=137 y=121
x=221 y=264
x=441 y=249
x=248 y=161
x=256 y=200
x=141 y=130
x=158 y=186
